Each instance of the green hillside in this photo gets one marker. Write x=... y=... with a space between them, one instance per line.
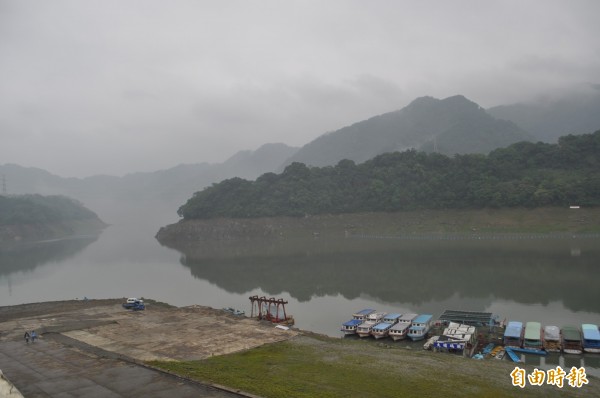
x=521 y=175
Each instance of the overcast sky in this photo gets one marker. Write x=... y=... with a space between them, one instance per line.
x=111 y=87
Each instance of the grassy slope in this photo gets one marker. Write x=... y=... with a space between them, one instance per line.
x=325 y=367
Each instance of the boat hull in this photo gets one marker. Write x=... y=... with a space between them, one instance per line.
x=591 y=350
x=379 y=335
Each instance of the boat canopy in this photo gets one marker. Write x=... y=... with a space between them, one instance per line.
x=382 y=327
x=571 y=333
x=353 y=322
x=590 y=331
x=399 y=327
x=514 y=329
x=424 y=318
x=392 y=317
x=533 y=331
x=551 y=333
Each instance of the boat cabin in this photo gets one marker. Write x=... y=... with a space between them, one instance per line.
x=375 y=317
x=407 y=318
x=362 y=314
x=364 y=329
x=351 y=326
x=552 y=341
x=392 y=318
x=381 y=330
x=571 y=340
x=399 y=331
x=591 y=338
x=533 y=336
x=513 y=335
x=420 y=327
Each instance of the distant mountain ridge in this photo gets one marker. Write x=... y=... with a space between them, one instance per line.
x=547 y=120
x=163 y=189
x=449 y=126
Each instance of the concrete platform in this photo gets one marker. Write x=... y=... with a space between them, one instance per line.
x=96 y=348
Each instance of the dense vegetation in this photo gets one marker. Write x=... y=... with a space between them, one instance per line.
x=37 y=209
x=521 y=175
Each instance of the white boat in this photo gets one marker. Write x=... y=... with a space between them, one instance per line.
x=362 y=314
x=420 y=327
x=429 y=343
x=375 y=317
x=364 y=329
x=399 y=331
x=552 y=340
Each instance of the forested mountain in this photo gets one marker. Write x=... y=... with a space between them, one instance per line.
x=155 y=191
x=449 y=126
x=38 y=209
x=523 y=174
x=44 y=217
x=551 y=118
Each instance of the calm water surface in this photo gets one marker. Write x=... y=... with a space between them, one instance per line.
x=551 y=281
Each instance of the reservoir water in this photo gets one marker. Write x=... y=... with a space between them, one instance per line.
x=552 y=281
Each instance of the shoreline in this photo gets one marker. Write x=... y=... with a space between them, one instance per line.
x=182 y=341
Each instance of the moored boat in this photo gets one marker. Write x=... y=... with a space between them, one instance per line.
x=591 y=338
x=420 y=327
x=532 y=339
x=351 y=326
x=392 y=318
x=552 y=340
x=364 y=329
x=399 y=331
x=381 y=330
x=513 y=335
x=375 y=317
x=362 y=314
x=571 y=340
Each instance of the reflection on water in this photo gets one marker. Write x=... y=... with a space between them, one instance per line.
x=24 y=257
x=415 y=272
x=324 y=280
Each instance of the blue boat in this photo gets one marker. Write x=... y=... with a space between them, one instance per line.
x=381 y=330
x=488 y=348
x=420 y=327
x=528 y=351
x=350 y=326
x=591 y=338
x=513 y=335
x=511 y=354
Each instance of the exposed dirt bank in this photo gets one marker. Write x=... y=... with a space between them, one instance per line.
x=541 y=220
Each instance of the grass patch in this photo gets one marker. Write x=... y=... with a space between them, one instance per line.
x=307 y=367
